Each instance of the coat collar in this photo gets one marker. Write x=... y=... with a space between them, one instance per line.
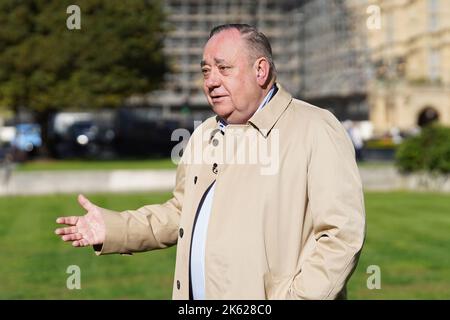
x=265 y=119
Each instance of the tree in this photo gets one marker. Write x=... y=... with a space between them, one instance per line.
x=45 y=66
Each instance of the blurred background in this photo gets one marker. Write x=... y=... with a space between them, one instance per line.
x=92 y=90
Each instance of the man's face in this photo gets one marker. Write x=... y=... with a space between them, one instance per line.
x=229 y=77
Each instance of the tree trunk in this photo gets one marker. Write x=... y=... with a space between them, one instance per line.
x=43 y=118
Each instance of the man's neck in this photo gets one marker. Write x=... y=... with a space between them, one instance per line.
x=266 y=97
x=269 y=91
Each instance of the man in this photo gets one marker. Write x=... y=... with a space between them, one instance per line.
x=291 y=232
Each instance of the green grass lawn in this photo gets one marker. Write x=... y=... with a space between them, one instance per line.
x=33 y=261
x=407 y=237
x=37 y=165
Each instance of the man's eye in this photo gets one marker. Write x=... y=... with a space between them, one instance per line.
x=222 y=68
x=205 y=71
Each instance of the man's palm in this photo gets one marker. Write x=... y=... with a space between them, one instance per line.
x=84 y=230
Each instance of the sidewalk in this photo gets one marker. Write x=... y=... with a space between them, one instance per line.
x=49 y=182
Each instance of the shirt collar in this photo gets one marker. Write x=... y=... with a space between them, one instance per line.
x=267 y=98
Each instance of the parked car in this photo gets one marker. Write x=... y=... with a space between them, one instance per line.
x=90 y=139
x=142 y=132
x=80 y=135
x=26 y=141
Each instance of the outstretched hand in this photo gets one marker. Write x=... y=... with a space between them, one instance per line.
x=87 y=230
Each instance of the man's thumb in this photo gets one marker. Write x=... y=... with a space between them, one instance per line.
x=84 y=202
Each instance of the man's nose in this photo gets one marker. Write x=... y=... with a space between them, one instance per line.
x=213 y=81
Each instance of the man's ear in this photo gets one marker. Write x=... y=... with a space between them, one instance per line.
x=262 y=70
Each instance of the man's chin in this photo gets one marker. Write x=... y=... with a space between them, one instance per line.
x=221 y=113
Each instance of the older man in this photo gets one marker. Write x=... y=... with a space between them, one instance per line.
x=292 y=232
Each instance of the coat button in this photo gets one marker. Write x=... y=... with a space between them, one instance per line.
x=178 y=284
x=214 y=168
x=181 y=232
x=195 y=179
x=215 y=142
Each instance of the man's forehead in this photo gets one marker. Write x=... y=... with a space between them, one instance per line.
x=228 y=34
x=222 y=46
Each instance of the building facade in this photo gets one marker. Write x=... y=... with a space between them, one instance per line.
x=190 y=22
x=387 y=61
x=411 y=55
x=335 y=60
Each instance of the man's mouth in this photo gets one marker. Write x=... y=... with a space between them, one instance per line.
x=218 y=98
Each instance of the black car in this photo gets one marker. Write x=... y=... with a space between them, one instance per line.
x=86 y=139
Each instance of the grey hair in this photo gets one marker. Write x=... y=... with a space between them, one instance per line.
x=257 y=42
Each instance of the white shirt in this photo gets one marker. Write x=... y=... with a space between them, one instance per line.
x=201 y=228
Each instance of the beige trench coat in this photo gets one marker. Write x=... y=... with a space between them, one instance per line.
x=288 y=230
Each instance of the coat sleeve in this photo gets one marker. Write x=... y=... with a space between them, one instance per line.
x=336 y=204
x=147 y=228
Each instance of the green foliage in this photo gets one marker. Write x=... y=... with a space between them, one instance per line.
x=429 y=151
x=44 y=65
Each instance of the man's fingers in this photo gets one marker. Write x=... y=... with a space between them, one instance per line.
x=84 y=202
x=71 y=221
x=80 y=243
x=72 y=237
x=67 y=230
